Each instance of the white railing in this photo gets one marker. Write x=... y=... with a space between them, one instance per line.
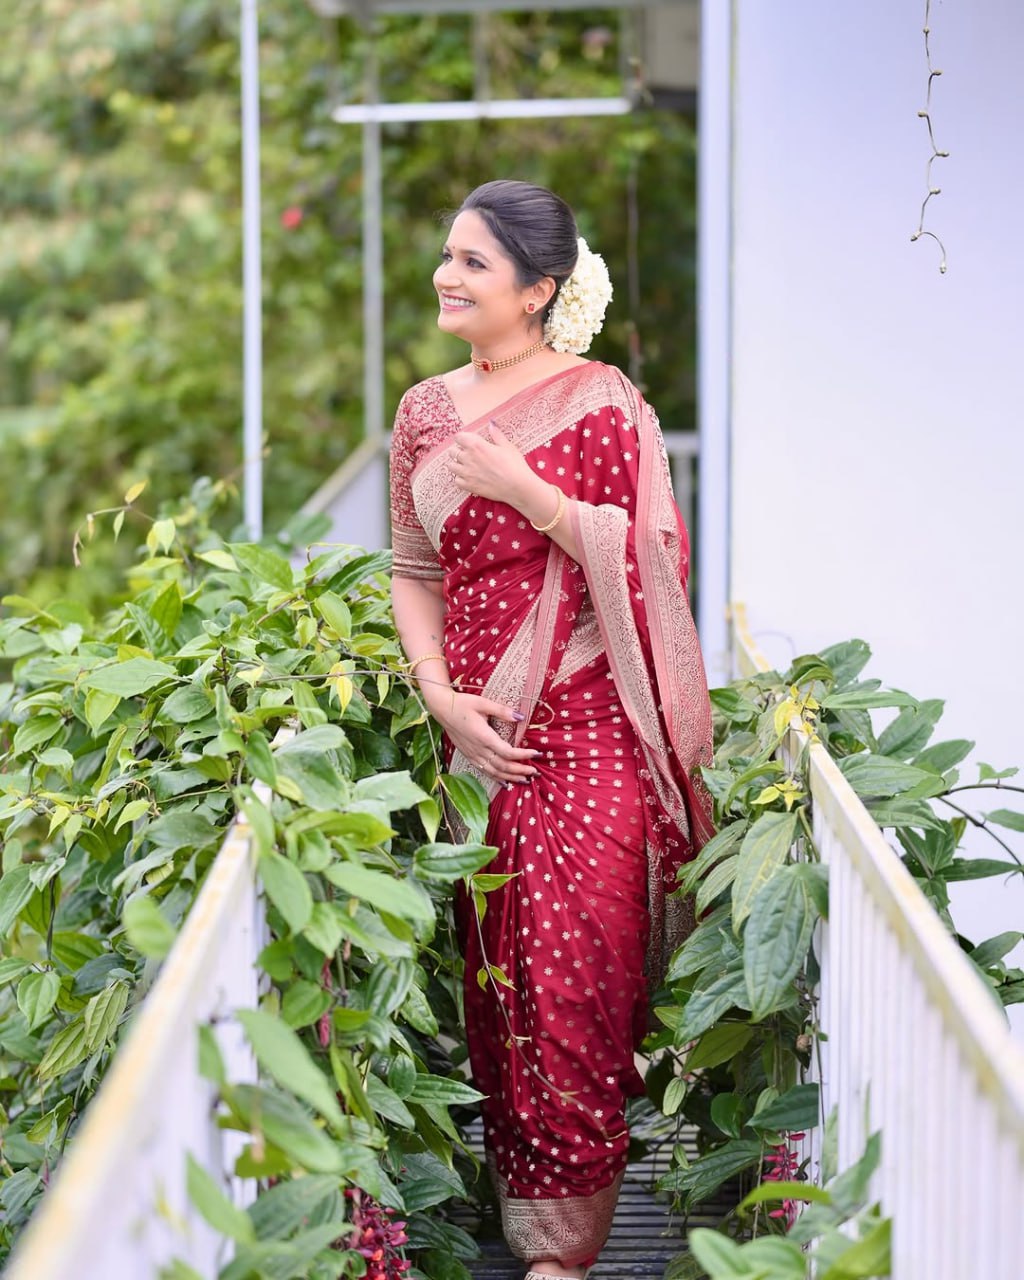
x=916 y=1047
x=119 y=1209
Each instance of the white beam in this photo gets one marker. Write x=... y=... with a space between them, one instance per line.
x=714 y=291
x=252 y=282
x=496 y=109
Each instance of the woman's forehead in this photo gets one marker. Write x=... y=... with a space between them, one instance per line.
x=470 y=234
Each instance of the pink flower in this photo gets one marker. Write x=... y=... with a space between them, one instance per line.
x=376 y=1237
x=782 y=1164
x=292 y=217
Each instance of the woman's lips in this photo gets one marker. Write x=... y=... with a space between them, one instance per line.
x=452 y=303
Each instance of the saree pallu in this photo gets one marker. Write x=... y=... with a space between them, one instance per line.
x=601 y=657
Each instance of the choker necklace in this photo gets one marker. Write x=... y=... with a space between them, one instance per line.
x=492 y=366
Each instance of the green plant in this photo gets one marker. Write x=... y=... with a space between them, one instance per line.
x=851 y=1240
x=126 y=745
x=740 y=1021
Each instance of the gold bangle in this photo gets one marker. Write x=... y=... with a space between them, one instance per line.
x=426 y=657
x=546 y=528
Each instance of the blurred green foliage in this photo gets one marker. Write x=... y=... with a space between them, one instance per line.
x=120 y=257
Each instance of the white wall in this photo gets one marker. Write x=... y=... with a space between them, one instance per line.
x=877 y=429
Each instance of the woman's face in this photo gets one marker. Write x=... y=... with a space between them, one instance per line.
x=480 y=299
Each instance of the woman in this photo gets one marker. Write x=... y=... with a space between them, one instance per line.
x=540 y=595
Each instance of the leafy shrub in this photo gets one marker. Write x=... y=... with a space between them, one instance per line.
x=126 y=745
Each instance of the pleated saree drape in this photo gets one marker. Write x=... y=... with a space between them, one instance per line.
x=601 y=656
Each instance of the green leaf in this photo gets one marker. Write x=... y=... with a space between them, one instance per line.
x=726 y=1109
x=943 y=755
x=847 y=660
x=284 y=1057
x=384 y=892
x=304 y=1002
x=769 y=1191
x=393 y=790
x=166 y=609
x=986 y=773
x=717 y=880
x=717 y=1254
x=450 y=862
x=386 y=1102
x=719 y=846
x=764 y=850
x=66 y=1050
x=102 y=1014
x=675 y=1095
x=705 y=1006
x=777 y=937
x=1007 y=818
x=99 y=707
x=216 y=1208
x=315 y=741
x=703 y=1178
x=795 y=1110
x=335 y=612
x=470 y=801
x=147 y=928
x=37 y=994
x=435 y=1090
x=16 y=888
x=388 y=985
x=911 y=729
x=904 y=812
x=283 y=1121
x=979 y=869
x=871 y=1256
x=775 y=1259
x=993 y=949
x=12 y=967
x=287 y=889
x=719 y=1045
x=276 y=1213
x=876 y=776
x=129 y=679
x=185 y=705
x=133 y=809
x=36 y=730
x=263 y=564
x=864 y=698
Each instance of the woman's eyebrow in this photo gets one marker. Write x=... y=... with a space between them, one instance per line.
x=468 y=253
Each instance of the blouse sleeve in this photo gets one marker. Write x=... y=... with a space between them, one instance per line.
x=413 y=553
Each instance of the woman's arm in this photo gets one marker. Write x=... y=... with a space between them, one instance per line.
x=418 y=606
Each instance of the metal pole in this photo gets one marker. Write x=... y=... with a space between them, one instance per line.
x=252 y=279
x=373 y=250
x=715 y=340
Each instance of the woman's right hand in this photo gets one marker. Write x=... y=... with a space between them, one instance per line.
x=466 y=722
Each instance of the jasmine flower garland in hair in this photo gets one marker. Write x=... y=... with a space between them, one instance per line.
x=578 y=313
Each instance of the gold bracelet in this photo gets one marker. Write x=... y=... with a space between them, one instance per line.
x=546 y=528
x=426 y=657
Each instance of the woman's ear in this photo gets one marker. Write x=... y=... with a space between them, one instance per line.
x=538 y=295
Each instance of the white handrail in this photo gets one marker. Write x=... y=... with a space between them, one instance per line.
x=916 y=1045
x=119 y=1208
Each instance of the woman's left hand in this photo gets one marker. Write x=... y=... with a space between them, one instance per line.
x=490 y=468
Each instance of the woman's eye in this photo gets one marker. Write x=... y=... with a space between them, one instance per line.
x=474 y=262
x=445 y=256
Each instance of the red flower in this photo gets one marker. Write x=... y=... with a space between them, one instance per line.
x=292 y=217
x=783 y=1165
x=376 y=1237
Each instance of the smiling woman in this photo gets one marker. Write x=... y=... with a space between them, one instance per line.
x=539 y=591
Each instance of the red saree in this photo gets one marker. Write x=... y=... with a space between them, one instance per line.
x=602 y=657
